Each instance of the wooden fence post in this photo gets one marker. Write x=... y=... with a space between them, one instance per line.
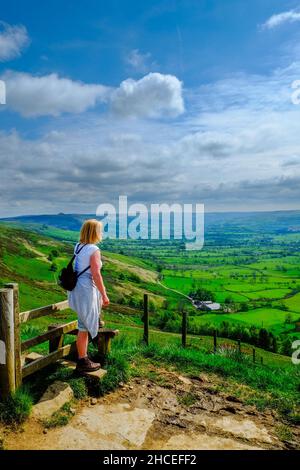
x=262 y=361
x=146 y=320
x=215 y=341
x=184 y=328
x=17 y=333
x=253 y=354
x=7 y=347
x=55 y=343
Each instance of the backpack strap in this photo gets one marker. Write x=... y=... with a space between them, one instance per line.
x=77 y=251
x=83 y=271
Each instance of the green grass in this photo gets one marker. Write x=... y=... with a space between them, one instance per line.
x=268 y=386
x=60 y=417
x=235 y=265
x=16 y=408
x=270 y=318
x=187 y=399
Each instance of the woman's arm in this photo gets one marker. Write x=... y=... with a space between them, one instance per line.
x=95 y=262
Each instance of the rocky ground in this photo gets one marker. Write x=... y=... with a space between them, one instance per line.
x=180 y=413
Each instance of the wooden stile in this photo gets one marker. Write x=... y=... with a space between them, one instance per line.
x=17 y=333
x=43 y=311
x=53 y=332
x=39 y=364
x=7 y=366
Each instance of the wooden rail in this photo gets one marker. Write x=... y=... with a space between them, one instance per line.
x=43 y=311
x=11 y=348
x=49 y=335
x=11 y=370
x=39 y=364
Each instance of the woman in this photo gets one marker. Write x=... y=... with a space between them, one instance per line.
x=89 y=294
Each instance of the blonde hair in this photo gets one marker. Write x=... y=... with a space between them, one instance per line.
x=90 y=231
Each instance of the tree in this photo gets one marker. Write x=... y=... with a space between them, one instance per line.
x=244 y=307
x=203 y=294
x=288 y=319
x=286 y=346
x=159 y=268
x=264 y=338
x=53 y=267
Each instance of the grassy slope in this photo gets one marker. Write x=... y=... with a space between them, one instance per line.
x=24 y=259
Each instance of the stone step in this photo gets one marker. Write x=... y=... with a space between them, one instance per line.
x=57 y=394
x=98 y=374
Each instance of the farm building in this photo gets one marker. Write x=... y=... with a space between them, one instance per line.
x=207 y=305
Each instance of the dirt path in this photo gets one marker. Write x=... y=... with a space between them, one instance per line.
x=40 y=254
x=180 y=413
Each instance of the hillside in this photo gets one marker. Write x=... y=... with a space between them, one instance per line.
x=250 y=264
x=200 y=385
x=34 y=261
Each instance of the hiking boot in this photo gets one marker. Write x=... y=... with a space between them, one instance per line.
x=86 y=365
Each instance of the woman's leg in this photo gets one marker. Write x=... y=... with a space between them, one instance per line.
x=82 y=344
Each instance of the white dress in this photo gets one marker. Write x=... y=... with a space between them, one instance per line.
x=85 y=299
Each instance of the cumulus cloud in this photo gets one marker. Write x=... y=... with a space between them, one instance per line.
x=274 y=21
x=50 y=95
x=152 y=96
x=13 y=39
x=236 y=148
x=69 y=171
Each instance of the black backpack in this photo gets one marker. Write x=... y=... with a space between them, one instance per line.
x=68 y=277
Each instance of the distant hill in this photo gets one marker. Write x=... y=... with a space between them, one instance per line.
x=271 y=222
x=34 y=261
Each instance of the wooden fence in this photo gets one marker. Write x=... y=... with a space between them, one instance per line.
x=13 y=366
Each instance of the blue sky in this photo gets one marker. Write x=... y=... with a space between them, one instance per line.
x=164 y=101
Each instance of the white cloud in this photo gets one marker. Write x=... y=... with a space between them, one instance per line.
x=139 y=61
x=13 y=39
x=236 y=148
x=285 y=17
x=152 y=96
x=50 y=95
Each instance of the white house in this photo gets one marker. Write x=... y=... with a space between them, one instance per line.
x=207 y=305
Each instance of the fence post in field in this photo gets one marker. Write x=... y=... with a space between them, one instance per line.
x=253 y=354
x=239 y=346
x=184 y=327
x=17 y=333
x=7 y=346
x=146 y=320
x=262 y=361
x=55 y=343
x=215 y=341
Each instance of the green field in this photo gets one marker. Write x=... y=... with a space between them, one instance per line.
x=255 y=278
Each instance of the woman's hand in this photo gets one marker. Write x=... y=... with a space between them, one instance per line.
x=105 y=301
